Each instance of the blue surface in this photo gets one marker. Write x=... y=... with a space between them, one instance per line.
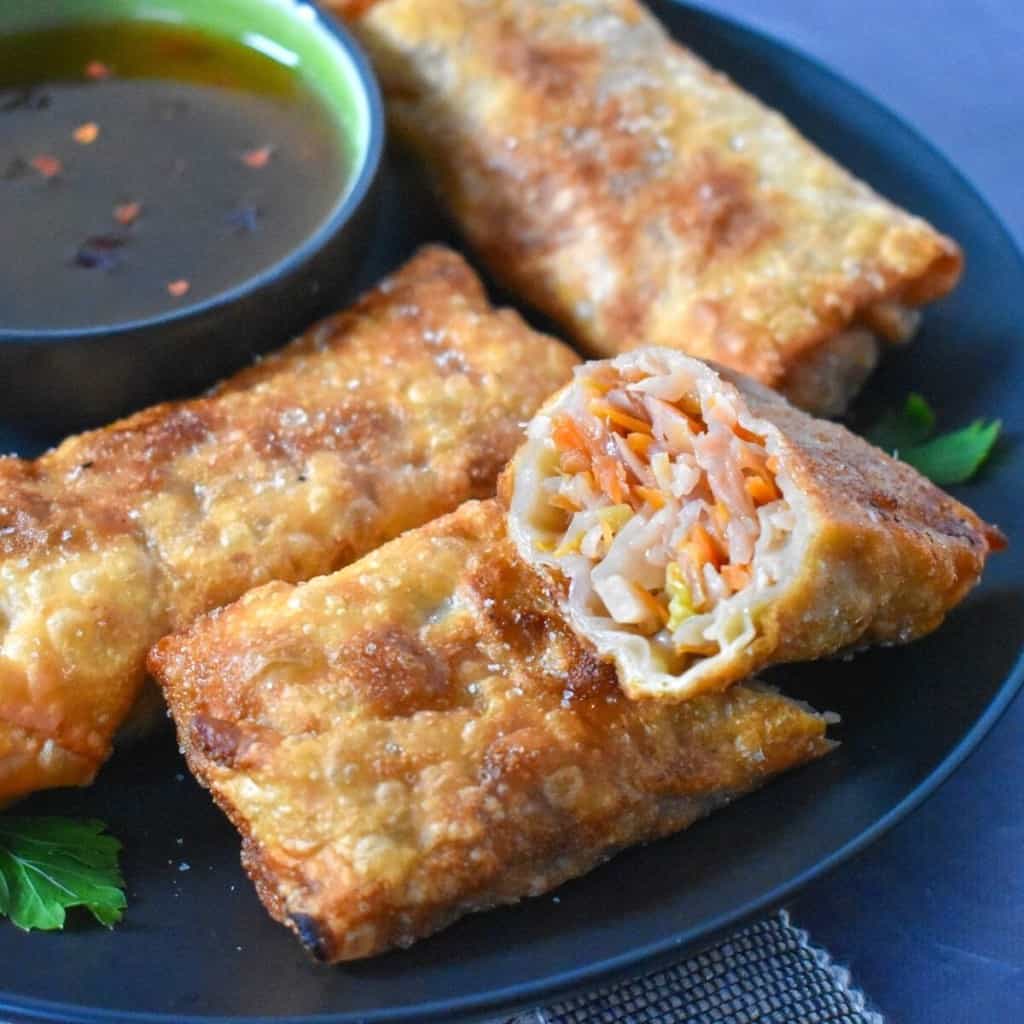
x=931 y=919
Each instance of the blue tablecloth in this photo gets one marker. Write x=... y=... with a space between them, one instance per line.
x=931 y=919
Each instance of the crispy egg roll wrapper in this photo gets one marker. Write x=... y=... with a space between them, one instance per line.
x=421 y=735
x=636 y=196
x=374 y=421
x=700 y=528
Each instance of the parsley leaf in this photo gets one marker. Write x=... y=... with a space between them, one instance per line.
x=904 y=427
x=50 y=864
x=951 y=458
x=955 y=457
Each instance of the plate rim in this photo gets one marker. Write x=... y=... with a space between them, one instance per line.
x=652 y=955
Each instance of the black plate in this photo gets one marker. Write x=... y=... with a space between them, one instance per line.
x=196 y=945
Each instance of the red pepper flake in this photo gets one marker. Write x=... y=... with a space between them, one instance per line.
x=48 y=166
x=86 y=134
x=257 y=158
x=178 y=288
x=127 y=213
x=96 y=70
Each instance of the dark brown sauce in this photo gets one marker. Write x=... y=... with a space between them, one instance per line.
x=147 y=167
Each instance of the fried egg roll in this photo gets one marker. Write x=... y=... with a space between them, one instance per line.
x=701 y=528
x=421 y=735
x=376 y=420
x=637 y=196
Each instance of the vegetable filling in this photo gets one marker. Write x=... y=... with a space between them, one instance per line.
x=662 y=508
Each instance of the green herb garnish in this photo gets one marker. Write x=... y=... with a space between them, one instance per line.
x=50 y=864
x=945 y=459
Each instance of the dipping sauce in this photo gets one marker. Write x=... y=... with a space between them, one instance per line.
x=146 y=167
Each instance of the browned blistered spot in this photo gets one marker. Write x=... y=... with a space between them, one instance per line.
x=590 y=678
x=484 y=467
x=995 y=538
x=717 y=204
x=624 y=315
x=396 y=674
x=884 y=502
x=348 y=426
x=515 y=757
x=216 y=739
x=515 y=623
x=556 y=71
x=137 y=454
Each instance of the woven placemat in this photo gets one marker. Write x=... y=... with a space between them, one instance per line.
x=768 y=973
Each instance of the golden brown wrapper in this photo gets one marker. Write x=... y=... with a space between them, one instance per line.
x=420 y=736
x=637 y=196
x=376 y=420
x=878 y=554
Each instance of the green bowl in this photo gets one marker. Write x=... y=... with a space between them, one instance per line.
x=70 y=378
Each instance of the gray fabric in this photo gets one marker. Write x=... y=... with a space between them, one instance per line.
x=767 y=973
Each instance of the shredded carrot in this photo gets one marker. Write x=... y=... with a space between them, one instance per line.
x=696 y=648
x=689 y=405
x=610 y=478
x=697 y=425
x=737 y=576
x=653 y=605
x=747 y=435
x=564 y=502
x=573 y=462
x=640 y=443
x=567 y=435
x=651 y=495
x=761 y=490
x=605 y=410
x=702 y=548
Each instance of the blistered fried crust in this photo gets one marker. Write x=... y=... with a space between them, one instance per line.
x=889 y=553
x=376 y=420
x=639 y=197
x=420 y=736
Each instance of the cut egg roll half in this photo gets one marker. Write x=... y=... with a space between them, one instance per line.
x=701 y=528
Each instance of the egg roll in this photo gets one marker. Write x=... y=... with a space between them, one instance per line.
x=636 y=196
x=421 y=735
x=376 y=420
x=700 y=527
